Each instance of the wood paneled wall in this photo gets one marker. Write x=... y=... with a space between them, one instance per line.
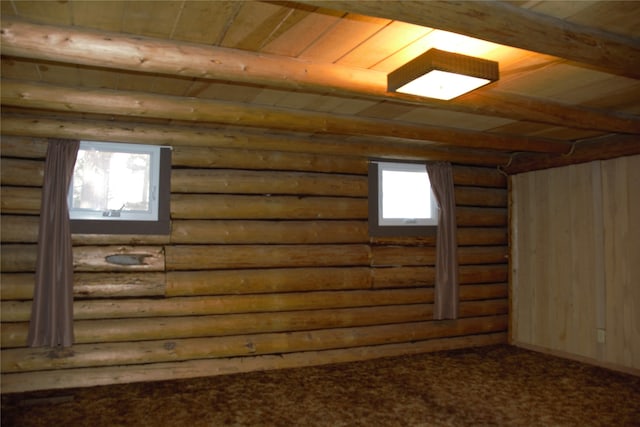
x=576 y=261
x=268 y=265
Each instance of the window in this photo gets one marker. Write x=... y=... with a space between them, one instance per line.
x=401 y=202
x=120 y=189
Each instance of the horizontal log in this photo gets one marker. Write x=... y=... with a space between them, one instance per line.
x=226 y=181
x=390 y=256
x=18 y=311
x=467 y=236
x=191 y=257
x=482 y=254
x=21 y=172
x=142 y=329
x=487 y=273
x=482 y=236
x=483 y=197
x=267 y=232
x=200 y=206
x=83 y=356
x=85 y=377
x=29 y=95
x=19 y=228
x=416 y=255
x=600 y=148
x=24 y=229
x=272 y=280
x=403 y=277
x=23 y=39
x=17 y=258
x=22 y=258
x=239 y=138
x=483 y=291
x=24 y=147
x=19 y=286
x=478 y=176
x=20 y=200
x=481 y=217
x=118 y=258
x=206 y=157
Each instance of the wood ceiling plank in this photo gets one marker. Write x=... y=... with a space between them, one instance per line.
x=151 y=18
x=7 y=8
x=297 y=38
x=269 y=96
x=621 y=17
x=102 y=15
x=253 y=24
x=57 y=98
x=13 y=69
x=297 y=100
x=389 y=40
x=231 y=93
x=436 y=117
x=625 y=100
x=343 y=37
x=203 y=21
x=171 y=86
x=387 y=110
x=554 y=80
x=47 y=12
x=112 y=50
x=509 y=25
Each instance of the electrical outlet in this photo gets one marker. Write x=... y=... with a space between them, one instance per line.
x=602 y=336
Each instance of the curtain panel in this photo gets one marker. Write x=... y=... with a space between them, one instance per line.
x=446 y=287
x=52 y=309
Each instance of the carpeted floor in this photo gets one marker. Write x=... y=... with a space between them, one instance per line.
x=488 y=386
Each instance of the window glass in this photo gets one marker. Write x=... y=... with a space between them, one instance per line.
x=401 y=201
x=115 y=182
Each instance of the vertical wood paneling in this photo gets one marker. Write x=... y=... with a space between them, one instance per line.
x=575 y=257
x=621 y=200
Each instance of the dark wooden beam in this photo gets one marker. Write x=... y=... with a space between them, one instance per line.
x=507 y=24
x=142 y=54
x=601 y=148
x=138 y=104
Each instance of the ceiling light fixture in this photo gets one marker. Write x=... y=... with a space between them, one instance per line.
x=442 y=75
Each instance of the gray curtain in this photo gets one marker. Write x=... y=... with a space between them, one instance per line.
x=446 y=288
x=52 y=310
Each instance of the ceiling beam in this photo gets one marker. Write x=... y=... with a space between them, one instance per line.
x=601 y=148
x=507 y=24
x=180 y=134
x=142 y=54
x=137 y=104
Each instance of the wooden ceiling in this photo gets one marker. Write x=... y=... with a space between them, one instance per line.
x=569 y=87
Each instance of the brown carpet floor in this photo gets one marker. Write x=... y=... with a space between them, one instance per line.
x=487 y=386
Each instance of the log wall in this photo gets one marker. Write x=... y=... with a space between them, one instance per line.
x=576 y=261
x=268 y=265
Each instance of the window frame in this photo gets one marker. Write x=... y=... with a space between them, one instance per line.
x=401 y=228
x=116 y=225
